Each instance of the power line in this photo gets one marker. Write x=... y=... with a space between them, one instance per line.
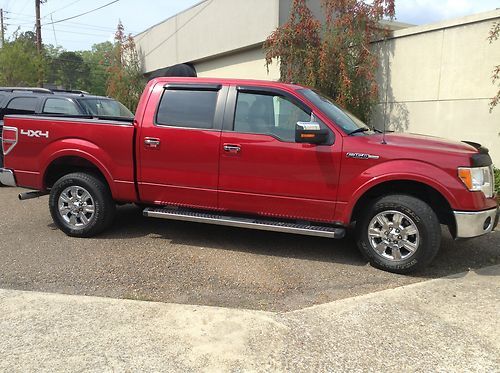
x=77 y=32
x=64 y=7
x=82 y=14
x=79 y=25
x=53 y=29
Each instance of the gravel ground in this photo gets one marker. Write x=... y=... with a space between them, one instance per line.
x=148 y=259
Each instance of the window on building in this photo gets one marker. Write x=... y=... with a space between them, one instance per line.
x=187 y=108
x=21 y=105
x=268 y=115
x=60 y=106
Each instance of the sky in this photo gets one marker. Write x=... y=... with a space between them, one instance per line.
x=137 y=15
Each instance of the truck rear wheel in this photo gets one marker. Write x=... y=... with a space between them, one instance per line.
x=81 y=205
x=399 y=233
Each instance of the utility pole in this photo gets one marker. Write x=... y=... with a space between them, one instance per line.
x=38 y=27
x=1 y=28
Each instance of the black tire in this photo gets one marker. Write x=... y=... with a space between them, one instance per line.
x=414 y=211
x=104 y=208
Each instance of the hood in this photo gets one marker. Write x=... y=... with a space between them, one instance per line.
x=430 y=143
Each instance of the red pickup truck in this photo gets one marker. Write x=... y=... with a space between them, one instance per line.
x=255 y=154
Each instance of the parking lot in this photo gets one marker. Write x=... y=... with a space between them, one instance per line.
x=187 y=263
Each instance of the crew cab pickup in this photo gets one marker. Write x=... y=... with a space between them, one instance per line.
x=255 y=154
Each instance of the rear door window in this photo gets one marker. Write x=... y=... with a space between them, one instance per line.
x=60 y=106
x=21 y=106
x=187 y=108
x=105 y=107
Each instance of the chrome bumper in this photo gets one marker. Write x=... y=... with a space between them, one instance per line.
x=477 y=223
x=7 y=177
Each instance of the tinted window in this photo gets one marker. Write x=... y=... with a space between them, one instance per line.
x=21 y=105
x=191 y=109
x=268 y=114
x=60 y=106
x=105 y=108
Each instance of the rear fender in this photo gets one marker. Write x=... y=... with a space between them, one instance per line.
x=78 y=148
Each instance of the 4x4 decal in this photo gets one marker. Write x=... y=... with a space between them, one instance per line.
x=35 y=133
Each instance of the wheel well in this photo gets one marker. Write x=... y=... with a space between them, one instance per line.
x=66 y=165
x=418 y=190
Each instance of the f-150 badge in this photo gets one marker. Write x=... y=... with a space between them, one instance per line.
x=35 y=133
x=362 y=156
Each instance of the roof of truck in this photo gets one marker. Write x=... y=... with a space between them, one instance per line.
x=228 y=81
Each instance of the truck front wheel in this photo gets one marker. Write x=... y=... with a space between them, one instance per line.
x=81 y=205
x=399 y=233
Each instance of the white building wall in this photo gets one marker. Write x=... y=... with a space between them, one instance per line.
x=436 y=80
x=247 y=64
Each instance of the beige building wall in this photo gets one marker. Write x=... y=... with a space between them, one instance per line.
x=243 y=64
x=210 y=28
x=436 y=80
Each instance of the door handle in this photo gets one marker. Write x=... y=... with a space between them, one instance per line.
x=152 y=142
x=232 y=148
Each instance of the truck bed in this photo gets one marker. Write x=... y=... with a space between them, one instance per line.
x=107 y=143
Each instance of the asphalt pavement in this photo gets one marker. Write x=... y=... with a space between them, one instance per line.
x=187 y=263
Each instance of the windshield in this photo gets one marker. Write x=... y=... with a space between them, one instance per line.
x=347 y=121
x=105 y=107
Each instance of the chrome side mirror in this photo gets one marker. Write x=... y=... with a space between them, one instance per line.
x=310 y=133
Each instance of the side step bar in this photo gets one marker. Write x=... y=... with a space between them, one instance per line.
x=265 y=225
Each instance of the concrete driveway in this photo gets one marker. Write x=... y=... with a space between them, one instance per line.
x=445 y=325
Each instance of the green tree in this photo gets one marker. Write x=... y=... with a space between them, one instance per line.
x=19 y=61
x=97 y=60
x=69 y=70
x=125 y=81
x=338 y=59
x=494 y=35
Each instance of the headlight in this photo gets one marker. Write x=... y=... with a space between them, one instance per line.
x=478 y=179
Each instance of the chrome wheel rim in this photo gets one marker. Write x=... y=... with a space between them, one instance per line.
x=76 y=207
x=393 y=235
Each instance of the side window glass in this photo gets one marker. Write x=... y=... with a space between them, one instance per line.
x=60 y=106
x=21 y=105
x=268 y=115
x=189 y=109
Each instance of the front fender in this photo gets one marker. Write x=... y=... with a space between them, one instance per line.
x=401 y=170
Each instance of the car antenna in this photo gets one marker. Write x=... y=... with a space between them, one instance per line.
x=383 y=133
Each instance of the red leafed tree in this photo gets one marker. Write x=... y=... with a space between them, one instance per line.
x=494 y=35
x=337 y=58
x=296 y=45
x=125 y=82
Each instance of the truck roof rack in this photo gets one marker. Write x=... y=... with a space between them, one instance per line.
x=25 y=89
x=75 y=91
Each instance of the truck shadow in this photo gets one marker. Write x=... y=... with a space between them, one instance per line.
x=131 y=224
x=454 y=256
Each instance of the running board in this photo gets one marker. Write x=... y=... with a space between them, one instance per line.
x=239 y=222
